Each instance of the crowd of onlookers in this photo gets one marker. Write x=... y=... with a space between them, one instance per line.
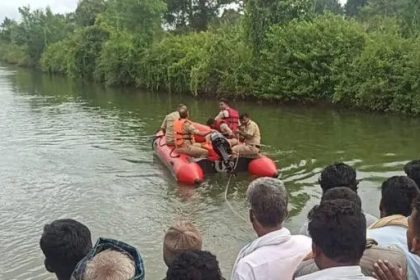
x=338 y=241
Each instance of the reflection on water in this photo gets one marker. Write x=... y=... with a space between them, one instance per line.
x=71 y=149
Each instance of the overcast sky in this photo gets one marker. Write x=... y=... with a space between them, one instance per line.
x=9 y=8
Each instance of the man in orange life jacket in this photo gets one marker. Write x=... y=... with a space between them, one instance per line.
x=249 y=132
x=167 y=126
x=184 y=132
x=228 y=114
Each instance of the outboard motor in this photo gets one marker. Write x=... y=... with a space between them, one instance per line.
x=222 y=147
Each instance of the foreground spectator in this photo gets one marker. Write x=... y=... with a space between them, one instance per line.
x=398 y=194
x=338 y=231
x=334 y=176
x=194 y=265
x=372 y=254
x=412 y=169
x=110 y=260
x=181 y=237
x=276 y=253
x=64 y=243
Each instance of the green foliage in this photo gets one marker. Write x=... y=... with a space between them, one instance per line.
x=207 y=62
x=134 y=16
x=13 y=54
x=193 y=14
x=304 y=59
x=352 y=7
x=119 y=61
x=88 y=10
x=385 y=76
x=324 y=6
x=260 y=15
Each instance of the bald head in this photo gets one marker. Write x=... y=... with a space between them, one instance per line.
x=181 y=237
x=110 y=265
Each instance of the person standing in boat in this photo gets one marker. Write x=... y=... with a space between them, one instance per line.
x=184 y=132
x=249 y=133
x=167 y=126
x=229 y=115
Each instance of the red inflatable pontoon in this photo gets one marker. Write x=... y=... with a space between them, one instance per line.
x=190 y=171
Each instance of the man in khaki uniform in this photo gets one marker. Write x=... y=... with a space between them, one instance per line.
x=250 y=133
x=184 y=132
x=168 y=125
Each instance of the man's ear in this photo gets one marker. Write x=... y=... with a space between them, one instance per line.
x=48 y=266
x=316 y=252
x=251 y=215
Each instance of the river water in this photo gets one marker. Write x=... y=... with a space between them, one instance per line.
x=77 y=150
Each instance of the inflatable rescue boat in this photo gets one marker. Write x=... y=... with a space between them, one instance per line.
x=191 y=171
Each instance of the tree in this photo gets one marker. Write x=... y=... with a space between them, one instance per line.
x=353 y=7
x=322 y=6
x=194 y=14
x=6 y=29
x=140 y=17
x=260 y=15
x=88 y=10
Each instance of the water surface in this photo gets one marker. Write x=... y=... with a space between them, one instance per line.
x=78 y=150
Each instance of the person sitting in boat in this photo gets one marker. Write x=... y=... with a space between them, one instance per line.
x=228 y=114
x=249 y=133
x=222 y=127
x=184 y=132
x=167 y=126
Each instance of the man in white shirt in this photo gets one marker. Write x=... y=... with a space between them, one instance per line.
x=398 y=194
x=276 y=253
x=338 y=231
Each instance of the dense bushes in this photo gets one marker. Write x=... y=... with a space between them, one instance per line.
x=304 y=60
x=385 y=76
x=288 y=50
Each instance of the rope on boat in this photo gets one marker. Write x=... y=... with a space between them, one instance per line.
x=226 y=193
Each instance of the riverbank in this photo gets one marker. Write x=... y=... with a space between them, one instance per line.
x=310 y=58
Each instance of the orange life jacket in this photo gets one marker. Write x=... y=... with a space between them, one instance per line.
x=233 y=119
x=180 y=136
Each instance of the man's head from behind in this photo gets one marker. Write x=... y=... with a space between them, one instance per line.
x=194 y=265
x=110 y=265
x=398 y=194
x=181 y=107
x=181 y=237
x=268 y=201
x=412 y=169
x=413 y=232
x=338 y=175
x=183 y=113
x=211 y=123
x=338 y=231
x=64 y=243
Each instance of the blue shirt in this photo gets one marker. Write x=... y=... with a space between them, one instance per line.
x=395 y=235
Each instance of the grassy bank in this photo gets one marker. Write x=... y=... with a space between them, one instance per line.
x=303 y=56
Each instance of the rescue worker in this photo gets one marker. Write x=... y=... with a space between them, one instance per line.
x=167 y=126
x=228 y=114
x=184 y=132
x=223 y=128
x=249 y=132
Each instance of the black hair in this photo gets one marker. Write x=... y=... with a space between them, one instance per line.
x=412 y=169
x=224 y=100
x=342 y=193
x=194 y=265
x=338 y=175
x=64 y=243
x=244 y=115
x=210 y=122
x=398 y=194
x=338 y=229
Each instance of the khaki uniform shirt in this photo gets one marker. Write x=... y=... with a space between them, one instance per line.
x=252 y=133
x=168 y=126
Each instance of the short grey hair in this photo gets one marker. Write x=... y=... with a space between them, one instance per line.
x=268 y=199
x=110 y=265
